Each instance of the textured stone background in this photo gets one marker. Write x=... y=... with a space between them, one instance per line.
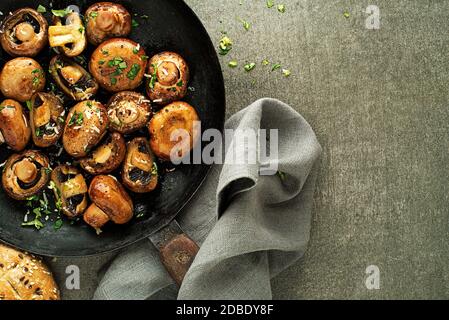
x=378 y=101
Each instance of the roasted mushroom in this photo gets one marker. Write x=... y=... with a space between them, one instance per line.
x=24 y=33
x=107 y=20
x=110 y=202
x=86 y=125
x=47 y=119
x=118 y=64
x=178 y=122
x=73 y=79
x=70 y=190
x=14 y=128
x=169 y=78
x=107 y=157
x=128 y=111
x=140 y=173
x=70 y=37
x=25 y=174
x=21 y=78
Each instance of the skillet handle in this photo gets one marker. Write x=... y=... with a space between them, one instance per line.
x=177 y=256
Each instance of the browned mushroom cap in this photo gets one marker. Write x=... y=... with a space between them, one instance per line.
x=168 y=78
x=70 y=190
x=178 y=119
x=21 y=78
x=107 y=20
x=14 y=128
x=70 y=37
x=118 y=64
x=73 y=79
x=140 y=172
x=110 y=197
x=24 y=33
x=25 y=174
x=47 y=119
x=86 y=125
x=128 y=111
x=107 y=157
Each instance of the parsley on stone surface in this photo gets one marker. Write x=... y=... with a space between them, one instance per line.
x=250 y=66
x=233 y=64
x=225 y=45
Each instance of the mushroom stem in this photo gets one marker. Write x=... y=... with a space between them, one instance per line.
x=95 y=217
x=102 y=154
x=26 y=171
x=24 y=32
x=71 y=74
x=61 y=35
x=168 y=73
x=43 y=115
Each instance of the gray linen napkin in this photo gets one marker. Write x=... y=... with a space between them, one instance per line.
x=250 y=227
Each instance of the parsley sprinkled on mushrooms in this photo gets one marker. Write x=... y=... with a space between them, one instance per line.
x=135 y=69
x=153 y=79
x=77 y=118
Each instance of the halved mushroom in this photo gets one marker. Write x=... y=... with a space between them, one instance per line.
x=70 y=190
x=24 y=33
x=14 y=128
x=47 y=119
x=107 y=20
x=174 y=131
x=128 y=112
x=21 y=78
x=140 y=172
x=86 y=125
x=118 y=64
x=168 y=78
x=107 y=157
x=70 y=37
x=110 y=203
x=25 y=174
x=73 y=79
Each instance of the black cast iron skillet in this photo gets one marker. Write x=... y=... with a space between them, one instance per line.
x=171 y=25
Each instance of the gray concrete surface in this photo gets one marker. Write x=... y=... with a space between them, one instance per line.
x=378 y=101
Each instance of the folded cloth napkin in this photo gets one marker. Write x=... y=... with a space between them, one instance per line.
x=250 y=226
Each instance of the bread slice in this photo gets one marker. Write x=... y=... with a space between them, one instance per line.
x=25 y=277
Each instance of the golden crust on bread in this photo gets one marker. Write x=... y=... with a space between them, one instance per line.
x=25 y=277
